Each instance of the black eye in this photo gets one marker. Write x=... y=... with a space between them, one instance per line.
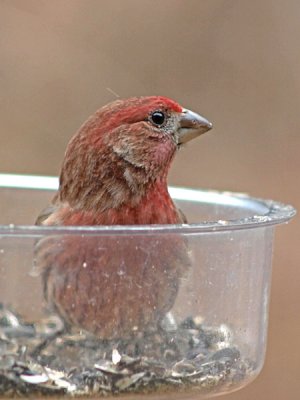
x=158 y=118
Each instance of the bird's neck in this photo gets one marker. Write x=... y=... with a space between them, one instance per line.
x=154 y=207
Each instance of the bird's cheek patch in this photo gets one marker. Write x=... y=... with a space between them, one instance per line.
x=128 y=154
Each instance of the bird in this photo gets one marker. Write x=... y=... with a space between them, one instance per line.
x=113 y=284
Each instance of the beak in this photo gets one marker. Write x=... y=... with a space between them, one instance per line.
x=191 y=125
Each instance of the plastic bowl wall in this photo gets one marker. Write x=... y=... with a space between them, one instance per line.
x=177 y=311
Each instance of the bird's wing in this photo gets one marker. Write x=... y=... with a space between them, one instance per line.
x=45 y=213
x=182 y=216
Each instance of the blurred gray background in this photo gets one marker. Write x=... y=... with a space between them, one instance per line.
x=237 y=62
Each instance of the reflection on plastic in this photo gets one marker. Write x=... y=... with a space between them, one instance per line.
x=112 y=286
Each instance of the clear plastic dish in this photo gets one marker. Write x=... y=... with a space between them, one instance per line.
x=158 y=311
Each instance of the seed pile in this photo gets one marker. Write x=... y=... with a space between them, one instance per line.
x=44 y=359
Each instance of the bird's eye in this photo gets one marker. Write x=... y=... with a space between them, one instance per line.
x=158 y=118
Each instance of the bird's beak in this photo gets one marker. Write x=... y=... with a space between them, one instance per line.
x=191 y=125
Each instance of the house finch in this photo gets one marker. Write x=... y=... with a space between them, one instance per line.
x=115 y=173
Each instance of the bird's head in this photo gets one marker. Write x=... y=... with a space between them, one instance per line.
x=125 y=147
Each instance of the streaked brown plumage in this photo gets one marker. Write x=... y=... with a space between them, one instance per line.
x=115 y=173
